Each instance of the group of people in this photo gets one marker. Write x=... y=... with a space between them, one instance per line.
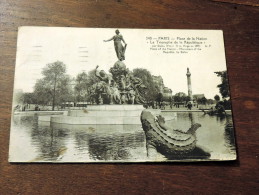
x=26 y=107
x=219 y=109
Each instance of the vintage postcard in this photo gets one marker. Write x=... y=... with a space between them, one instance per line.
x=120 y=95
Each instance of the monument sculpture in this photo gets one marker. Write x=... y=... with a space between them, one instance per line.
x=117 y=97
x=119 y=48
x=103 y=86
x=119 y=87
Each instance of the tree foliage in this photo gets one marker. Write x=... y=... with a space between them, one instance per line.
x=43 y=90
x=202 y=100
x=29 y=98
x=54 y=70
x=210 y=101
x=217 y=98
x=181 y=97
x=159 y=97
x=64 y=91
x=54 y=87
x=146 y=77
x=224 y=86
x=18 y=97
x=81 y=87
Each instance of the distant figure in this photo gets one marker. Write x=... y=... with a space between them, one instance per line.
x=220 y=108
x=17 y=107
x=120 y=50
x=189 y=105
x=171 y=102
x=217 y=110
x=162 y=105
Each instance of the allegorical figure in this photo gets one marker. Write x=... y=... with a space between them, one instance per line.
x=119 y=48
x=139 y=88
x=103 y=86
x=103 y=76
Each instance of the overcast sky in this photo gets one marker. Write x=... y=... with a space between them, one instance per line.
x=81 y=49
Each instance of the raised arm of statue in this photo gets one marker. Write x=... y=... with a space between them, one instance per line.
x=97 y=72
x=109 y=39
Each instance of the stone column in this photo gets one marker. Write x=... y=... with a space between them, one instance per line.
x=188 y=74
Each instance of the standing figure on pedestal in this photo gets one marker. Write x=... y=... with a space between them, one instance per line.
x=120 y=50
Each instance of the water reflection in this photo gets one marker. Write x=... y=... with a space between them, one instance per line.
x=191 y=118
x=102 y=142
x=108 y=147
x=50 y=142
x=215 y=136
x=109 y=142
x=86 y=143
x=229 y=133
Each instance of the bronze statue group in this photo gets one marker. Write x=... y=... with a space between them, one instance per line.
x=119 y=87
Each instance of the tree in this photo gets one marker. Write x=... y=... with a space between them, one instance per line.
x=210 y=101
x=54 y=86
x=147 y=80
x=186 y=99
x=177 y=99
x=81 y=87
x=224 y=86
x=202 y=100
x=159 y=99
x=29 y=98
x=181 y=97
x=64 y=92
x=43 y=92
x=18 y=97
x=217 y=98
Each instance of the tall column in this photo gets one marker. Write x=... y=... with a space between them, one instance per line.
x=188 y=74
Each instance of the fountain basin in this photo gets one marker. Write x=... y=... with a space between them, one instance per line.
x=99 y=114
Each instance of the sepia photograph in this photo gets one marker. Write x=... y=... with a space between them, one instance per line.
x=104 y=95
